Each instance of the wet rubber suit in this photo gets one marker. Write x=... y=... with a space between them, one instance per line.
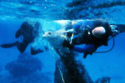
x=29 y=31
x=84 y=29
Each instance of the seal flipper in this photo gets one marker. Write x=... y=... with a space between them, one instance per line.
x=35 y=51
x=10 y=45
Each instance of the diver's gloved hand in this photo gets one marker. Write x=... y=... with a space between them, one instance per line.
x=70 y=32
x=67 y=44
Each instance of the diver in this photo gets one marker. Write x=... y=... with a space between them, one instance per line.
x=93 y=33
x=29 y=30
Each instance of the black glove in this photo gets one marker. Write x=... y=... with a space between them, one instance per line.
x=67 y=44
x=69 y=34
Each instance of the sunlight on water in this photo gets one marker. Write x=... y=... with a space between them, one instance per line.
x=32 y=8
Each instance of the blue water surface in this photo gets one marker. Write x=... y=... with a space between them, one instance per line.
x=13 y=13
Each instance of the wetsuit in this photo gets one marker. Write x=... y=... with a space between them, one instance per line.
x=84 y=30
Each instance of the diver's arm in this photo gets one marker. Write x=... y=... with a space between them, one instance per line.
x=89 y=48
x=75 y=29
x=18 y=33
x=77 y=25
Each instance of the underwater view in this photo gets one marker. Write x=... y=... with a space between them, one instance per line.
x=62 y=41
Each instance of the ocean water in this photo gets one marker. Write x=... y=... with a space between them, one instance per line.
x=25 y=68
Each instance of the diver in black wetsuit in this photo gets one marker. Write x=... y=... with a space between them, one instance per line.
x=29 y=31
x=93 y=33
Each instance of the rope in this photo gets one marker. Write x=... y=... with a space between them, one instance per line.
x=58 y=65
x=61 y=75
x=71 y=38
